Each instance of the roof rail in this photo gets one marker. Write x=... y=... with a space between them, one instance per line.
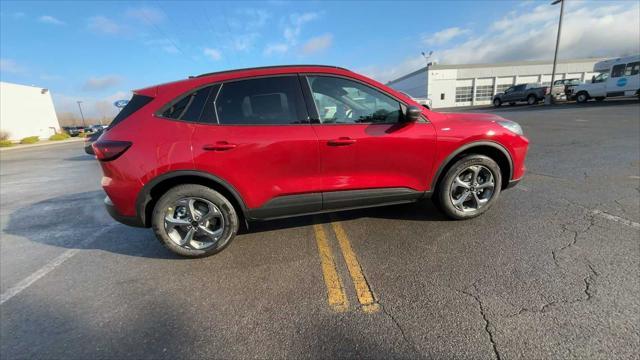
x=266 y=67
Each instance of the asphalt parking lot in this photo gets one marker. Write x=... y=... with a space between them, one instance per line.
x=552 y=271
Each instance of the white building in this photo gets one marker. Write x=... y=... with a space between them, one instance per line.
x=475 y=84
x=26 y=111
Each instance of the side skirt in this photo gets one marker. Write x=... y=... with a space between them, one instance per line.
x=316 y=203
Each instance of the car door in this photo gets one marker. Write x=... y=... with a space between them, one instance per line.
x=632 y=74
x=517 y=93
x=256 y=136
x=367 y=154
x=617 y=82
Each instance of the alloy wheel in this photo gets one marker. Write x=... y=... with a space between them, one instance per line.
x=194 y=223
x=472 y=188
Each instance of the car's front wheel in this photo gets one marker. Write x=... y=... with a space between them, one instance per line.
x=194 y=220
x=497 y=102
x=582 y=97
x=470 y=187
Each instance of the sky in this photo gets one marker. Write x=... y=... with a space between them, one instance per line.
x=97 y=52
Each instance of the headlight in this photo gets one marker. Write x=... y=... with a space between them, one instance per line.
x=512 y=126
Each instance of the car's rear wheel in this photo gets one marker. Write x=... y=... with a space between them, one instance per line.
x=194 y=220
x=531 y=99
x=470 y=187
x=497 y=102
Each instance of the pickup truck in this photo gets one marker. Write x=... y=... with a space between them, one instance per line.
x=531 y=93
x=562 y=88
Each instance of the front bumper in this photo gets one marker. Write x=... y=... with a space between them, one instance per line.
x=127 y=220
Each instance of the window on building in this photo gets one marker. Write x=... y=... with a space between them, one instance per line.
x=343 y=101
x=263 y=101
x=632 y=69
x=618 y=70
x=502 y=87
x=464 y=93
x=484 y=92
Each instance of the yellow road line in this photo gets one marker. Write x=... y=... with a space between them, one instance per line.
x=336 y=296
x=365 y=296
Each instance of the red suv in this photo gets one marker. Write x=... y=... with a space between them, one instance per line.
x=195 y=158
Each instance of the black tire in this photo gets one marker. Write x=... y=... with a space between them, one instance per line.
x=445 y=186
x=531 y=100
x=582 y=97
x=512 y=103
x=171 y=197
x=599 y=98
x=497 y=102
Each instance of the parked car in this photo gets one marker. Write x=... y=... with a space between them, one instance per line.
x=562 y=88
x=89 y=140
x=93 y=128
x=231 y=147
x=531 y=93
x=616 y=78
x=72 y=130
x=425 y=102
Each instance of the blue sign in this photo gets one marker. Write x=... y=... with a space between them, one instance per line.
x=121 y=103
x=622 y=82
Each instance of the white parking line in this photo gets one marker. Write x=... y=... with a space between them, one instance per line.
x=616 y=219
x=49 y=267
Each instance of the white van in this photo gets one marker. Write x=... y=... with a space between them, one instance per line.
x=616 y=77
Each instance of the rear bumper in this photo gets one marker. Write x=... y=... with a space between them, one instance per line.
x=127 y=220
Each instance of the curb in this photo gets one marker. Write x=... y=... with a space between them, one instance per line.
x=48 y=143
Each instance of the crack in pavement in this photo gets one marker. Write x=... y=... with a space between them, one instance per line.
x=487 y=324
x=397 y=323
x=576 y=234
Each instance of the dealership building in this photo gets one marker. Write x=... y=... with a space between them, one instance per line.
x=26 y=111
x=475 y=84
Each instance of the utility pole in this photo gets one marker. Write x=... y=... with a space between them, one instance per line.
x=549 y=97
x=426 y=58
x=81 y=114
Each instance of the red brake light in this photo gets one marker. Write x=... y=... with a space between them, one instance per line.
x=107 y=150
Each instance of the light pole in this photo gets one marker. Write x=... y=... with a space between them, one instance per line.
x=81 y=114
x=426 y=58
x=549 y=98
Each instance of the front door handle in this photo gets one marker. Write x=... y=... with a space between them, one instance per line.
x=343 y=141
x=219 y=146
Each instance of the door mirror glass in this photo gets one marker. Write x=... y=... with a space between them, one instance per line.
x=412 y=114
x=593 y=79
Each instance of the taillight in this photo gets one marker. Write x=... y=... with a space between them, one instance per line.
x=107 y=150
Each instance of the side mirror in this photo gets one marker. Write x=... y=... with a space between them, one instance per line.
x=412 y=114
x=593 y=79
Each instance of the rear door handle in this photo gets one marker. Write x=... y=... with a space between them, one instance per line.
x=219 y=146
x=343 y=141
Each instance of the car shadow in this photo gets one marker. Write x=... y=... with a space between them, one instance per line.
x=84 y=157
x=80 y=221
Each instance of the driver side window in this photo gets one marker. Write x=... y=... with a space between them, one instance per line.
x=342 y=101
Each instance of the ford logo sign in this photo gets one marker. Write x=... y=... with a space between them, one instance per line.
x=622 y=82
x=121 y=103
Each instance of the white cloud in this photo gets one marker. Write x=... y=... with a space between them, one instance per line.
x=292 y=29
x=589 y=29
x=444 y=36
x=48 y=19
x=278 y=48
x=212 y=54
x=147 y=15
x=11 y=66
x=101 y=83
x=104 y=25
x=317 y=44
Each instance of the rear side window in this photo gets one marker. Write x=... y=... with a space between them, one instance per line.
x=632 y=69
x=618 y=70
x=135 y=104
x=191 y=106
x=264 y=101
